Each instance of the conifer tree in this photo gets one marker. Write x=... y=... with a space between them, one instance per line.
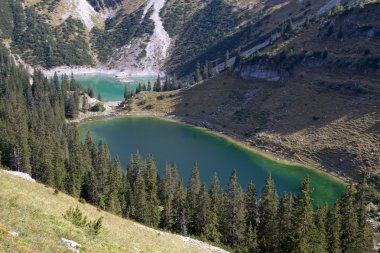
x=90 y=91
x=197 y=77
x=226 y=59
x=234 y=222
x=284 y=223
x=251 y=244
x=333 y=230
x=113 y=188
x=151 y=184
x=179 y=209
x=303 y=224
x=267 y=230
x=251 y=205
x=202 y=212
x=139 y=197
x=319 y=243
x=191 y=199
x=349 y=227
x=168 y=188
x=205 y=71
x=157 y=84
x=365 y=239
x=212 y=229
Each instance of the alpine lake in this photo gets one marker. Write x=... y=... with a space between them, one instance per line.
x=183 y=144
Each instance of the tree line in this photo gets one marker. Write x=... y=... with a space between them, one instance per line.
x=35 y=138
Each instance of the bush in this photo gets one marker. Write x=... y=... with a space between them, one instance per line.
x=76 y=217
x=98 y=108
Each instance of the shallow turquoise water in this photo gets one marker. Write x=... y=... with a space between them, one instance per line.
x=183 y=144
x=110 y=88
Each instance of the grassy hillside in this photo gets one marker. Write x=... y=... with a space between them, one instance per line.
x=312 y=96
x=35 y=212
x=295 y=120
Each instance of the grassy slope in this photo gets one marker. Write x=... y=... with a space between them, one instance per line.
x=324 y=114
x=36 y=213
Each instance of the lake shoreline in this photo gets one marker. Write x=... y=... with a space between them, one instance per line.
x=231 y=137
x=120 y=75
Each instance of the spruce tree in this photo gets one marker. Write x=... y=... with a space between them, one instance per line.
x=303 y=224
x=191 y=199
x=113 y=188
x=320 y=241
x=333 y=230
x=179 y=219
x=168 y=191
x=267 y=229
x=349 y=227
x=234 y=222
x=251 y=244
x=205 y=71
x=251 y=205
x=197 y=77
x=284 y=223
x=151 y=184
x=212 y=229
x=202 y=217
x=365 y=240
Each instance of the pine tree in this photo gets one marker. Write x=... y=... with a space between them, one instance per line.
x=168 y=191
x=179 y=218
x=157 y=84
x=267 y=229
x=113 y=188
x=197 y=77
x=333 y=230
x=205 y=71
x=212 y=228
x=126 y=93
x=364 y=239
x=151 y=182
x=226 y=60
x=251 y=245
x=234 y=223
x=191 y=199
x=251 y=205
x=149 y=86
x=202 y=217
x=139 y=196
x=349 y=227
x=320 y=242
x=90 y=91
x=284 y=223
x=303 y=224
x=99 y=97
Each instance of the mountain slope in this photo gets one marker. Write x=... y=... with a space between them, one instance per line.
x=34 y=211
x=311 y=96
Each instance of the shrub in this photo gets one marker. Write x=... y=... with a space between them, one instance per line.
x=76 y=217
x=98 y=108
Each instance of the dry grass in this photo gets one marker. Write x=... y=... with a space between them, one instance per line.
x=296 y=119
x=35 y=212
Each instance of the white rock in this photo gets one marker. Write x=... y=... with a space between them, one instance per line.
x=21 y=174
x=71 y=245
x=13 y=233
x=157 y=48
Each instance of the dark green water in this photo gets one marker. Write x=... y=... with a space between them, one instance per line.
x=110 y=88
x=183 y=144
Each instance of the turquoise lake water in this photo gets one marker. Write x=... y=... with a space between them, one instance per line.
x=182 y=144
x=110 y=88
